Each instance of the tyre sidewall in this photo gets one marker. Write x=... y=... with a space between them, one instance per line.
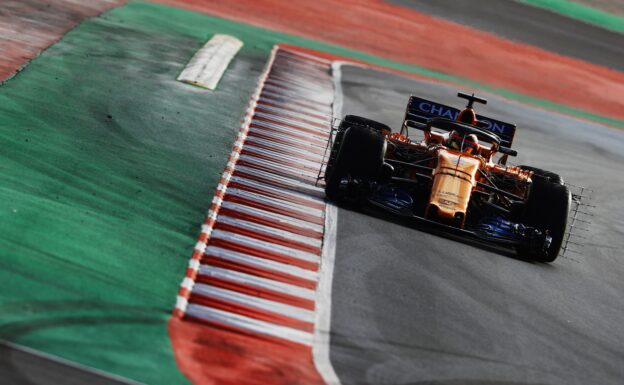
x=360 y=155
x=547 y=208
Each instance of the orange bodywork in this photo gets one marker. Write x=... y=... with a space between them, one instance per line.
x=454 y=178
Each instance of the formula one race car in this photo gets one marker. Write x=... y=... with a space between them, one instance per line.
x=449 y=179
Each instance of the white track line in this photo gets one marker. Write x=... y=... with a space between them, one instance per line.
x=322 y=326
x=317 y=59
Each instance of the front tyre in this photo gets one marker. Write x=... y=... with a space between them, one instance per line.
x=547 y=209
x=346 y=123
x=361 y=121
x=543 y=174
x=360 y=156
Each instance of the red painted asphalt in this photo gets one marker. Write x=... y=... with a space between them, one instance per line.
x=401 y=34
x=29 y=26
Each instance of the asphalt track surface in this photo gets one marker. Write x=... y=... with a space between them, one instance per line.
x=23 y=366
x=410 y=307
x=530 y=25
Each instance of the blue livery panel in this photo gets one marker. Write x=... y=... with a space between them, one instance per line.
x=419 y=109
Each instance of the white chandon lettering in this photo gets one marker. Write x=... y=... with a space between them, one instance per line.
x=437 y=110
x=450 y=114
x=425 y=107
x=498 y=128
x=495 y=127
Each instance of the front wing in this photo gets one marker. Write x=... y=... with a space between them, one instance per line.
x=541 y=242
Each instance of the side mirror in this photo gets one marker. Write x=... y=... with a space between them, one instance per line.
x=507 y=151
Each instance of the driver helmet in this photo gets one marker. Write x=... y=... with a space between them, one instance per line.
x=471 y=144
x=468 y=144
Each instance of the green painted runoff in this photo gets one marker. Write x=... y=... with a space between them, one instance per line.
x=108 y=165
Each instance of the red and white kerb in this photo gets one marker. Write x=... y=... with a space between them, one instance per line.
x=255 y=267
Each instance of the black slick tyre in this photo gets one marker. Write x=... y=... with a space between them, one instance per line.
x=361 y=121
x=360 y=156
x=346 y=123
x=547 y=209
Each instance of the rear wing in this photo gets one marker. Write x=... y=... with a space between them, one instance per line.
x=420 y=110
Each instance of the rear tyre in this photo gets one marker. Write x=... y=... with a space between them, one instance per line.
x=360 y=155
x=543 y=174
x=547 y=209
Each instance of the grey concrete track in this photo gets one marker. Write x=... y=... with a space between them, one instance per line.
x=23 y=366
x=415 y=308
x=531 y=25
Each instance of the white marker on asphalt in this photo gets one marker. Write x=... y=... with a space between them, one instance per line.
x=208 y=65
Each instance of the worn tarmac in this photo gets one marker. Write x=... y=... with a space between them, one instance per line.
x=530 y=25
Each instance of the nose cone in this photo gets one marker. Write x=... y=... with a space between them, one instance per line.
x=454 y=179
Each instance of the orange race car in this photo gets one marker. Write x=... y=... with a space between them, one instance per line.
x=449 y=177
